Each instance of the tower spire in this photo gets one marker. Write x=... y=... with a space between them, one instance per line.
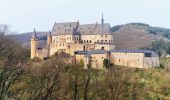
x=34 y=34
x=102 y=21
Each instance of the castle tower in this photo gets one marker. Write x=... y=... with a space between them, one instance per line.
x=49 y=41
x=34 y=44
x=102 y=22
x=49 y=38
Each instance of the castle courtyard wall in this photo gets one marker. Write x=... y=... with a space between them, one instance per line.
x=127 y=59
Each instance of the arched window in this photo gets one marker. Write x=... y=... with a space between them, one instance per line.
x=102 y=48
x=84 y=48
x=87 y=41
x=90 y=41
x=68 y=46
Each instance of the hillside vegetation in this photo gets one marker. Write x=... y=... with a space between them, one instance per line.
x=56 y=78
x=142 y=36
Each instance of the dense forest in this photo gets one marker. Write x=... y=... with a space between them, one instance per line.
x=56 y=79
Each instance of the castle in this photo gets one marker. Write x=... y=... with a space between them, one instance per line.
x=91 y=43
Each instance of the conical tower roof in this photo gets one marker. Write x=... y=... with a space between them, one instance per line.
x=34 y=34
x=49 y=33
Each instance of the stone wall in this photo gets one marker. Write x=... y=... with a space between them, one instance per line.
x=127 y=59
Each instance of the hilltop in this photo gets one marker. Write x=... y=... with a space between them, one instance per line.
x=25 y=38
x=137 y=35
x=128 y=36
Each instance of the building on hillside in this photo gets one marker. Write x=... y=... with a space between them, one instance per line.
x=71 y=37
x=127 y=58
x=91 y=43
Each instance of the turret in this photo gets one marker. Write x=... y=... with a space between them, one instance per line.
x=102 y=20
x=34 y=44
x=49 y=38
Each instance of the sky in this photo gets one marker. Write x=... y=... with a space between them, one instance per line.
x=25 y=15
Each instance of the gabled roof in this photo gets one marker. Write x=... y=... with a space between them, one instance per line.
x=65 y=28
x=75 y=28
x=94 y=29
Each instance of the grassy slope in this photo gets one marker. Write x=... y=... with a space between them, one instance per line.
x=134 y=36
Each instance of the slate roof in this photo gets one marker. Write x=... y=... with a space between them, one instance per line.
x=89 y=52
x=153 y=54
x=65 y=28
x=94 y=29
x=75 y=28
x=136 y=51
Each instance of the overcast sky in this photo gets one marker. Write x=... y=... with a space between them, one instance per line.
x=24 y=15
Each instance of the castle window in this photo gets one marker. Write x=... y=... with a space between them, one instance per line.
x=84 y=41
x=138 y=59
x=70 y=25
x=68 y=46
x=87 y=41
x=90 y=41
x=102 y=48
x=63 y=44
x=119 y=60
x=105 y=40
x=101 y=40
x=102 y=57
